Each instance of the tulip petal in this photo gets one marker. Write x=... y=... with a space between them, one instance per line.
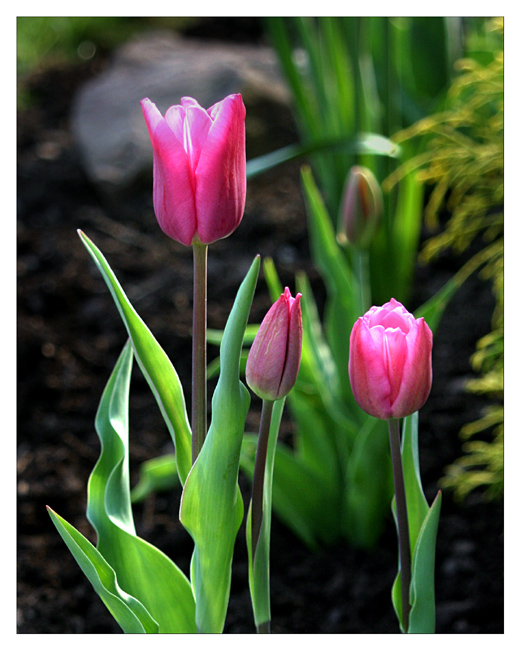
x=395 y=352
x=417 y=371
x=266 y=359
x=368 y=377
x=198 y=123
x=220 y=174
x=173 y=196
x=294 y=345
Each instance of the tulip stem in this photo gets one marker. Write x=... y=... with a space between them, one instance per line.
x=198 y=368
x=402 y=520
x=257 y=495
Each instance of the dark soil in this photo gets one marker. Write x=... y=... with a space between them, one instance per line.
x=70 y=335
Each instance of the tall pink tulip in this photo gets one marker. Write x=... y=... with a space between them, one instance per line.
x=274 y=359
x=199 y=170
x=390 y=364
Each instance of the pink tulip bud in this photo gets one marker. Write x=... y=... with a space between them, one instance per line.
x=361 y=207
x=390 y=364
x=274 y=359
x=199 y=168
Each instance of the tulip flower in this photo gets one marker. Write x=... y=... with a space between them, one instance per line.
x=390 y=365
x=271 y=372
x=361 y=207
x=390 y=369
x=199 y=170
x=199 y=194
x=274 y=359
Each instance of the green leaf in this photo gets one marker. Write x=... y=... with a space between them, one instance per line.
x=422 y=587
x=154 y=363
x=423 y=523
x=129 y=613
x=362 y=143
x=156 y=475
x=211 y=505
x=142 y=570
x=416 y=504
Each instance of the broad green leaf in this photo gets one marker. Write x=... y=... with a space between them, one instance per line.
x=156 y=475
x=259 y=565
x=142 y=570
x=154 y=363
x=129 y=613
x=211 y=505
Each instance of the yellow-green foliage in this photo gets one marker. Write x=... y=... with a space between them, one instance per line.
x=464 y=161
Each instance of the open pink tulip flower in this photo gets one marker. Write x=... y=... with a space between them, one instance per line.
x=390 y=364
x=274 y=359
x=199 y=168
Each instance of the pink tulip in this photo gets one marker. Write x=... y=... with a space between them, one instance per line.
x=390 y=363
x=274 y=359
x=199 y=168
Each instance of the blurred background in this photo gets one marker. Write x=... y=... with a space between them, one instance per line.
x=432 y=86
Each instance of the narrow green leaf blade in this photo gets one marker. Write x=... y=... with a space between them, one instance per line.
x=154 y=363
x=211 y=505
x=130 y=614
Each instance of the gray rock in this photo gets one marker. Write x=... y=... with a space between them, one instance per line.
x=107 y=121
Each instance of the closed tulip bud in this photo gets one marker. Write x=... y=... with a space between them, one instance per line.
x=361 y=207
x=199 y=168
x=274 y=359
x=390 y=364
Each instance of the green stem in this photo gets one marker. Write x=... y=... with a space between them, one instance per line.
x=257 y=494
x=198 y=382
x=402 y=520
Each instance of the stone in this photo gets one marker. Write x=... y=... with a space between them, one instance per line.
x=107 y=122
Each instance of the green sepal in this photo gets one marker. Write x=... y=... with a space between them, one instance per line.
x=211 y=505
x=129 y=613
x=154 y=363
